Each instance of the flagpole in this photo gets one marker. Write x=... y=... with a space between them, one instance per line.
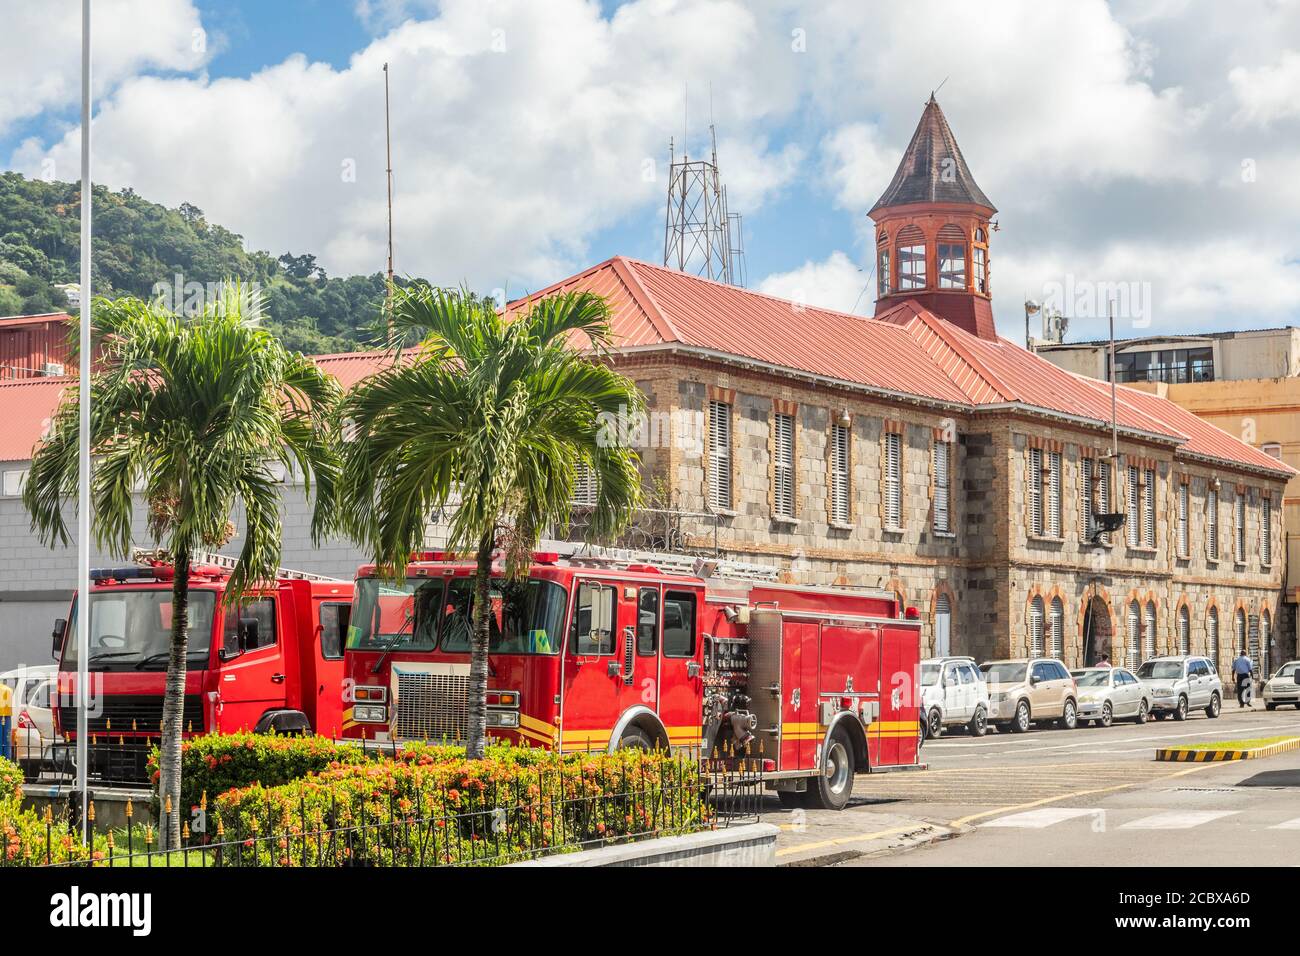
x=83 y=449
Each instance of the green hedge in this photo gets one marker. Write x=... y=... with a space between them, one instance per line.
x=433 y=810
x=214 y=763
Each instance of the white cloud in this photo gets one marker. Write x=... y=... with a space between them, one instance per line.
x=834 y=283
x=40 y=54
x=1269 y=92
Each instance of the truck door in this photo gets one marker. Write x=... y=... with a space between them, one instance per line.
x=801 y=732
x=592 y=673
x=681 y=654
x=331 y=629
x=897 y=726
x=252 y=670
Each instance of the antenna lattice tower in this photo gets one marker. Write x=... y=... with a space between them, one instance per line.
x=698 y=230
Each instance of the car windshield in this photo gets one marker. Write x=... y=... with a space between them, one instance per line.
x=132 y=630
x=1098 y=678
x=929 y=674
x=383 y=615
x=1288 y=670
x=1003 y=673
x=524 y=617
x=1161 y=670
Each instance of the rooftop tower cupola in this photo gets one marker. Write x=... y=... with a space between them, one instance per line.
x=932 y=231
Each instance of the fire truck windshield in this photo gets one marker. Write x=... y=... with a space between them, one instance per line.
x=525 y=617
x=383 y=615
x=131 y=630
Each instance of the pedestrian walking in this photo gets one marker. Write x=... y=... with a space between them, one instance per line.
x=1241 y=669
x=1103 y=661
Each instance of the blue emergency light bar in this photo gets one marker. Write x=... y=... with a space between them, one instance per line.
x=122 y=574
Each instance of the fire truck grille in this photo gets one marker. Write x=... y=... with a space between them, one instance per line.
x=125 y=713
x=432 y=706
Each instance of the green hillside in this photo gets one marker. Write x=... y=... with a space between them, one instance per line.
x=139 y=244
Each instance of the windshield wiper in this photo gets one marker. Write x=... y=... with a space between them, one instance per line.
x=151 y=658
x=388 y=648
x=108 y=654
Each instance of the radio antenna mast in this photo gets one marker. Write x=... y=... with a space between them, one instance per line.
x=388 y=145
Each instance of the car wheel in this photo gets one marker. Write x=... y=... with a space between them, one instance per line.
x=1274 y=706
x=1107 y=714
x=1180 y=712
x=934 y=724
x=1020 y=723
x=1069 y=716
x=1216 y=706
x=1143 y=712
x=831 y=789
x=979 y=724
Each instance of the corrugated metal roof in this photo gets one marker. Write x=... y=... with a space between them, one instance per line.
x=26 y=408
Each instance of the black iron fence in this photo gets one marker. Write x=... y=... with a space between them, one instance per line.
x=540 y=811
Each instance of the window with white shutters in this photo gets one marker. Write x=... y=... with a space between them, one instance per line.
x=1036 y=627
x=1265 y=636
x=1212 y=524
x=1133 y=650
x=1058 y=628
x=1134 y=518
x=720 y=455
x=1087 y=523
x=893 y=480
x=1239 y=625
x=942 y=486
x=1239 y=528
x=1184 y=530
x=1103 y=492
x=1212 y=632
x=1054 y=493
x=783 y=465
x=942 y=625
x=840 y=437
x=1266 y=531
x=584 y=485
x=1184 y=630
x=1149 y=508
x=1149 y=633
x=1034 y=488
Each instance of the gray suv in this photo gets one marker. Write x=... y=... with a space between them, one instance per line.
x=1180 y=684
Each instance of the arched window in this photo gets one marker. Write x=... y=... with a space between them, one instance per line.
x=1260 y=657
x=942 y=625
x=1212 y=633
x=1058 y=628
x=952 y=257
x=1184 y=630
x=882 y=265
x=1239 y=630
x=911 y=258
x=1036 y=627
x=1133 y=650
x=1149 y=632
x=980 y=261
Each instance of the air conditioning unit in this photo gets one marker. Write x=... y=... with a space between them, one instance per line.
x=52 y=368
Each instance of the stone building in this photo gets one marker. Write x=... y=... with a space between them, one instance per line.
x=918 y=451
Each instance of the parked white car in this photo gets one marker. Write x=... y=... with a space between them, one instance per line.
x=1283 y=687
x=1107 y=694
x=953 y=695
x=1182 y=683
x=33 y=717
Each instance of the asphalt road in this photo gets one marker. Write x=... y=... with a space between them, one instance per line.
x=1055 y=797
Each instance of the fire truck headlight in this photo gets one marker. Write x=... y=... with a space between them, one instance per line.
x=502 y=718
x=370 y=714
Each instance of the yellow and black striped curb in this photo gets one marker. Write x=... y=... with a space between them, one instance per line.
x=1192 y=755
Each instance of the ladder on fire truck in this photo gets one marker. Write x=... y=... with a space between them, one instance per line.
x=687 y=565
x=225 y=562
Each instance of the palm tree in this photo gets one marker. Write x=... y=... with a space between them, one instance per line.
x=490 y=418
x=193 y=411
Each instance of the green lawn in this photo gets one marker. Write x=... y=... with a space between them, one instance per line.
x=1249 y=744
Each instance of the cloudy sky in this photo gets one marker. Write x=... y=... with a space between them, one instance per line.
x=1153 y=143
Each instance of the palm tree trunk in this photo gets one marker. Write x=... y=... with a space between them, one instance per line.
x=476 y=739
x=169 y=763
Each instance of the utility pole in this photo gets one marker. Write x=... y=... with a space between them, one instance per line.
x=83 y=438
x=388 y=146
x=1114 y=419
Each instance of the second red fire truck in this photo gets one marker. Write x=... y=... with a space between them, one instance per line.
x=604 y=652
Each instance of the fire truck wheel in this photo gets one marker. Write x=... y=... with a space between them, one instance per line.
x=635 y=737
x=979 y=724
x=831 y=789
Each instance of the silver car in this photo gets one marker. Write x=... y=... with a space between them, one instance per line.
x=1283 y=687
x=1180 y=684
x=1107 y=694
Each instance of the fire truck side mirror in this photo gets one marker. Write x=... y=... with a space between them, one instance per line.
x=60 y=629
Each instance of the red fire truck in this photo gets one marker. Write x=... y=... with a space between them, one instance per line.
x=273 y=662
x=605 y=652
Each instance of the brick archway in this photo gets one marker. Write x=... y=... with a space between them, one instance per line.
x=1096 y=630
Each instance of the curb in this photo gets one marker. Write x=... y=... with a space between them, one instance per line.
x=837 y=851
x=1192 y=755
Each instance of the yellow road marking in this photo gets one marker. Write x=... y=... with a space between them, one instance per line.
x=840 y=841
x=1067 y=796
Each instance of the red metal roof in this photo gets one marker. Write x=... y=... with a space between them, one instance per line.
x=26 y=407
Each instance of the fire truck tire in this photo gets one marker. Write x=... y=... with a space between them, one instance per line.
x=831 y=789
x=635 y=737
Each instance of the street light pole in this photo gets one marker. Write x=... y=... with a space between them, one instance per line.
x=83 y=449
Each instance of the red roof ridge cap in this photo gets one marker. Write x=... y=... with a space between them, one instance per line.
x=952 y=337
x=625 y=268
x=556 y=286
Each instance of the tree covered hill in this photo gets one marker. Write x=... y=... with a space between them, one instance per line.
x=139 y=244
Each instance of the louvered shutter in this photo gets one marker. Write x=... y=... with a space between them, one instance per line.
x=1184 y=631
x=1212 y=524
x=840 y=473
x=720 y=455
x=1036 y=627
x=1149 y=633
x=584 y=485
x=1087 y=524
x=1184 y=537
x=1212 y=630
x=893 y=480
x=1134 y=519
x=783 y=470
x=1266 y=531
x=1058 y=629
x=1034 y=480
x=1132 y=656
x=1054 y=494
x=1239 y=529
x=942 y=486
x=1149 y=509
